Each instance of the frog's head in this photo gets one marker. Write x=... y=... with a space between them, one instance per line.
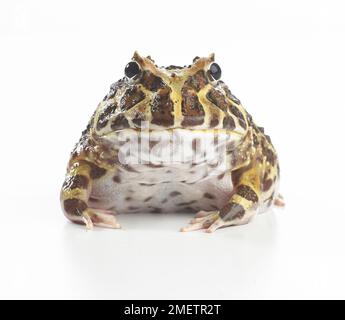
x=191 y=97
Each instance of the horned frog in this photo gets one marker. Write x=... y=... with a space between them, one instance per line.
x=220 y=166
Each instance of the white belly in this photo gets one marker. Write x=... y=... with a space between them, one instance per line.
x=193 y=184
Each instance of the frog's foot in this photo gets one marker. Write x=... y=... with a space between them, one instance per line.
x=100 y=218
x=209 y=221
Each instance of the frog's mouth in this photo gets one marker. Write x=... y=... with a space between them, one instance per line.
x=183 y=138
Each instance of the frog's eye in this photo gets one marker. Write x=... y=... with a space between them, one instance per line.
x=215 y=71
x=132 y=69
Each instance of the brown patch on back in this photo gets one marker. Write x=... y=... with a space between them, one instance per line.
x=218 y=99
x=192 y=110
x=197 y=81
x=238 y=114
x=151 y=82
x=138 y=119
x=214 y=120
x=131 y=97
x=104 y=116
x=230 y=95
x=119 y=123
x=229 y=123
x=162 y=109
x=209 y=195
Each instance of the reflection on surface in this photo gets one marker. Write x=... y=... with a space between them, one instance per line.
x=151 y=259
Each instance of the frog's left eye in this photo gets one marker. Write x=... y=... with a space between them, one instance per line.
x=215 y=71
x=132 y=69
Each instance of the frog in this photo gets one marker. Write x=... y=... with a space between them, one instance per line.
x=222 y=168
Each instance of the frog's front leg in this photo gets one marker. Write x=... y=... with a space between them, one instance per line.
x=75 y=196
x=242 y=205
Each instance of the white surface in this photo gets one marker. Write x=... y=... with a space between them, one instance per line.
x=284 y=60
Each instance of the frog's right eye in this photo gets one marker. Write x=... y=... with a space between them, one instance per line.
x=132 y=69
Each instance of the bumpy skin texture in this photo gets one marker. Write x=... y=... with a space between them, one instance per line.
x=175 y=102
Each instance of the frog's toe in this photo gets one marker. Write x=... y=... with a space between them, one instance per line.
x=279 y=201
x=203 y=213
x=103 y=219
x=219 y=223
x=203 y=221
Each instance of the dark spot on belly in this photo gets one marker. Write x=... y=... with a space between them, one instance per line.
x=152 y=165
x=221 y=176
x=175 y=193
x=156 y=210
x=128 y=198
x=209 y=195
x=247 y=192
x=74 y=206
x=188 y=210
x=186 y=203
x=117 y=178
x=148 y=199
x=164 y=200
x=133 y=208
x=147 y=184
x=92 y=199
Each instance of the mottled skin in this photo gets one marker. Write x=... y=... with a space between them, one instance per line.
x=185 y=102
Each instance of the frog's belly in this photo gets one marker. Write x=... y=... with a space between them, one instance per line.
x=179 y=188
x=191 y=173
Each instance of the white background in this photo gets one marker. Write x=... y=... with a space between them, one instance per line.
x=283 y=59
